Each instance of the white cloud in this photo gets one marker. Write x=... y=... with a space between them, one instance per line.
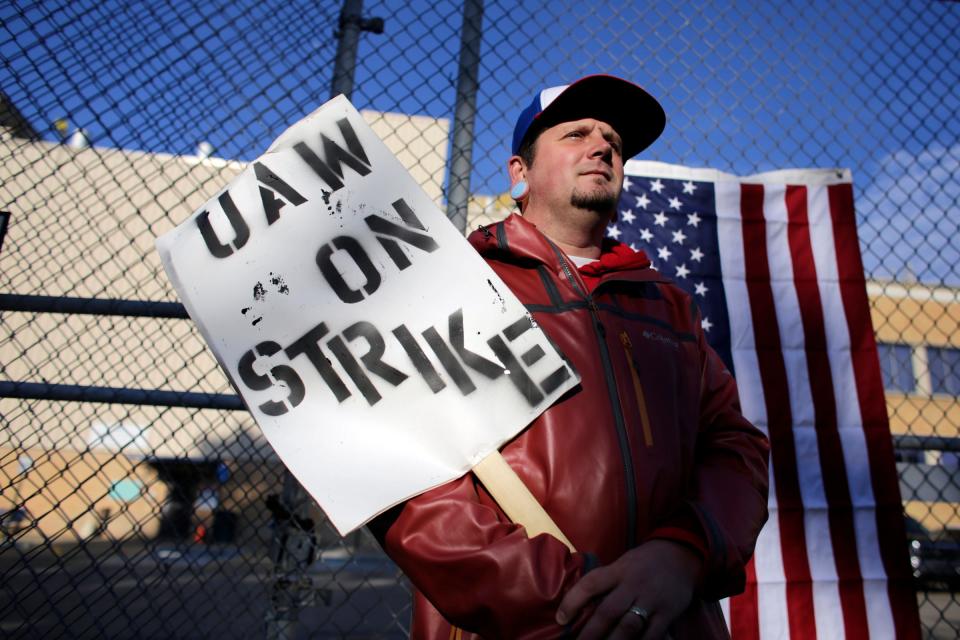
x=909 y=216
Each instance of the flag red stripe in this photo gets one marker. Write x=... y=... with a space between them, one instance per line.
x=830 y=449
x=779 y=416
x=885 y=483
x=745 y=610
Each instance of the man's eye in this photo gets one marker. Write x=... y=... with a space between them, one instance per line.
x=574 y=134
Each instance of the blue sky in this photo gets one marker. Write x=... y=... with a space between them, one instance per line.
x=747 y=86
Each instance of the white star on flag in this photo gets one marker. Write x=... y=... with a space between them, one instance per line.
x=689 y=187
x=660 y=219
x=693 y=219
x=706 y=324
x=700 y=289
x=663 y=253
x=679 y=236
x=645 y=235
x=696 y=255
x=627 y=183
x=675 y=203
x=656 y=186
x=628 y=216
x=682 y=271
x=613 y=232
x=643 y=201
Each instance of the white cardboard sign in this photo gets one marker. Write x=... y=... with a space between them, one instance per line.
x=378 y=352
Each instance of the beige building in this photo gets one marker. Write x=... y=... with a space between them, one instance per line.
x=486 y=210
x=82 y=224
x=918 y=336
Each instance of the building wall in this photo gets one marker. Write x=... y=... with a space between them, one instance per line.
x=921 y=317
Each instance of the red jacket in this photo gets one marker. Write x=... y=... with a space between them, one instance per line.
x=650 y=444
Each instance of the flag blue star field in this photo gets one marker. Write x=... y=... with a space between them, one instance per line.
x=774 y=264
x=675 y=223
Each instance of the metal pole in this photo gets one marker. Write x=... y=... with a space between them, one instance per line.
x=458 y=192
x=119 y=395
x=294 y=540
x=92 y=306
x=292 y=549
x=4 y=220
x=349 y=39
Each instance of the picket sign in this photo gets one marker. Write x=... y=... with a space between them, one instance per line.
x=377 y=351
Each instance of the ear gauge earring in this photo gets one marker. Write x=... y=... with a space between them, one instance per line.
x=519 y=191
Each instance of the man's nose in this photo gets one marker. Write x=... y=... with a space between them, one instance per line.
x=601 y=148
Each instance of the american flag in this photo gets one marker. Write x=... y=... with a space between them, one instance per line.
x=774 y=264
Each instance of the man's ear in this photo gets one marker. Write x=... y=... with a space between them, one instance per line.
x=516 y=169
x=519 y=188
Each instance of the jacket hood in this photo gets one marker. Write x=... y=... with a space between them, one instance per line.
x=514 y=236
x=520 y=239
x=616 y=256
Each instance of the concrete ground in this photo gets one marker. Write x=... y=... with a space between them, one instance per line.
x=939 y=614
x=169 y=592
x=138 y=591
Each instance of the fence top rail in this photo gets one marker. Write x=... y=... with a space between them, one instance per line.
x=927 y=443
x=118 y=395
x=92 y=306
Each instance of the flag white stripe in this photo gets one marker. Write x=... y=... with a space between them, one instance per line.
x=849 y=420
x=826 y=596
x=768 y=560
x=725 y=609
x=875 y=593
x=771 y=581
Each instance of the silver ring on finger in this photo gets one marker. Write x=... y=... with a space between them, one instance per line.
x=641 y=613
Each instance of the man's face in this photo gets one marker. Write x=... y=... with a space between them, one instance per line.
x=577 y=163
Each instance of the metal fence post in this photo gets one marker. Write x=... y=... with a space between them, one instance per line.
x=348 y=39
x=4 y=220
x=461 y=163
x=292 y=550
x=294 y=538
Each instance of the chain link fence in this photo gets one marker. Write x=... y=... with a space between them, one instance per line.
x=138 y=500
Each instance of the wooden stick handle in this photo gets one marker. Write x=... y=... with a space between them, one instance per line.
x=515 y=498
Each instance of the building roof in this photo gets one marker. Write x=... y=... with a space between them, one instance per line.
x=13 y=121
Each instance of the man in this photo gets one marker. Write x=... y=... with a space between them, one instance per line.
x=647 y=466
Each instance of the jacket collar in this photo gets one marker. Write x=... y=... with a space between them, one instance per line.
x=516 y=239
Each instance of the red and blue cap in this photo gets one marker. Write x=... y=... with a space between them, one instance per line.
x=633 y=113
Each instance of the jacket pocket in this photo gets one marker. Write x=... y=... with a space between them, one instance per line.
x=637 y=390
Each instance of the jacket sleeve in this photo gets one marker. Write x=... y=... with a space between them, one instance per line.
x=730 y=483
x=475 y=566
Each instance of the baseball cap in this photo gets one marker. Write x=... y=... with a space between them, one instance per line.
x=631 y=111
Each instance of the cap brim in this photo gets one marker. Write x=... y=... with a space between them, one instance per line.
x=631 y=111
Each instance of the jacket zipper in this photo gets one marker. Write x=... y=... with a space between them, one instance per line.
x=614 y=396
x=637 y=389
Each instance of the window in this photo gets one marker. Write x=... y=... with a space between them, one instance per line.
x=909 y=455
x=944 y=364
x=950 y=460
x=896 y=365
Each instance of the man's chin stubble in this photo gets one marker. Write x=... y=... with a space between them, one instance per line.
x=598 y=200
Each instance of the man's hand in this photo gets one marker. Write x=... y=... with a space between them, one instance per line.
x=657 y=578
